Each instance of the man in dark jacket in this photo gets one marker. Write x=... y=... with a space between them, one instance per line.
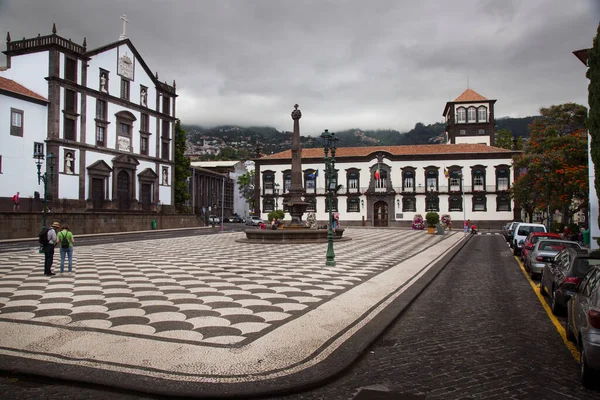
x=49 y=249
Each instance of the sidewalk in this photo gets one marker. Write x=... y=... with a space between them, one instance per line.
x=206 y=316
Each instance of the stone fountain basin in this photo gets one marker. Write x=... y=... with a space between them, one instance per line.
x=291 y=235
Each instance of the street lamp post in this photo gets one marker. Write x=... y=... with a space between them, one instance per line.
x=329 y=147
x=546 y=172
x=276 y=196
x=46 y=178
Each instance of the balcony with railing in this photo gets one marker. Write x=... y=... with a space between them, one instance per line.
x=42 y=41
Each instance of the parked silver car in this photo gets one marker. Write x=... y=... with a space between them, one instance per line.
x=253 y=220
x=583 y=325
x=543 y=254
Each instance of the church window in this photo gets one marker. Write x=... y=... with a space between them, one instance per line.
x=70 y=101
x=503 y=203
x=100 y=136
x=124 y=89
x=479 y=203
x=482 y=114
x=144 y=144
x=472 y=114
x=353 y=204
x=70 y=69
x=69 y=162
x=124 y=129
x=145 y=123
x=166 y=129
x=461 y=115
x=101 y=110
x=69 y=128
x=166 y=105
x=16 y=122
x=165 y=150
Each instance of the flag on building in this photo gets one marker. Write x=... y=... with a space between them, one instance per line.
x=313 y=174
x=377 y=173
x=446 y=174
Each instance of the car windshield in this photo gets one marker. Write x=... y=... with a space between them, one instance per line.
x=556 y=245
x=526 y=230
x=583 y=265
x=536 y=239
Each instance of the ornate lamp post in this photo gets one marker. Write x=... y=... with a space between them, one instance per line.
x=276 y=190
x=329 y=147
x=46 y=178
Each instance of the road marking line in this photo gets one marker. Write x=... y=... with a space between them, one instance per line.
x=557 y=324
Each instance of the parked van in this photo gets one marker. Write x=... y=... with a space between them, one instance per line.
x=522 y=230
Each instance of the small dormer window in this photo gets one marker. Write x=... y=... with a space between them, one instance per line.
x=472 y=114
x=482 y=114
x=461 y=115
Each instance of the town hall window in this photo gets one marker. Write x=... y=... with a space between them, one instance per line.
x=268 y=205
x=287 y=181
x=432 y=203
x=408 y=181
x=16 y=122
x=334 y=205
x=381 y=177
x=472 y=112
x=353 y=185
x=431 y=181
x=503 y=203
x=482 y=114
x=310 y=181
x=312 y=204
x=268 y=183
x=478 y=179
x=479 y=203
x=409 y=204
x=354 y=204
x=455 y=203
x=502 y=176
x=461 y=115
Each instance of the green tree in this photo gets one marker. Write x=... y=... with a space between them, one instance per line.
x=182 y=169
x=593 y=122
x=246 y=188
x=504 y=139
x=553 y=167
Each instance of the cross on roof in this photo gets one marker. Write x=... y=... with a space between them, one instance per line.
x=125 y=22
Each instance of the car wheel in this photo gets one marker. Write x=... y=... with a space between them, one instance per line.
x=542 y=288
x=568 y=330
x=553 y=304
x=515 y=249
x=586 y=373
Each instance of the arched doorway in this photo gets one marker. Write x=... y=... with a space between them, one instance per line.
x=123 y=190
x=380 y=214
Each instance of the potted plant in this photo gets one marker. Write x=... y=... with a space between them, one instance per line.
x=432 y=219
x=418 y=222
x=446 y=222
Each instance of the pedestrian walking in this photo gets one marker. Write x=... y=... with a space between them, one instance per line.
x=66 y=240
x=467 y=223
x=15 y=200
x=51 y=242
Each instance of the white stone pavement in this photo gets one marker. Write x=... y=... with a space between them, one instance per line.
x=206 y=309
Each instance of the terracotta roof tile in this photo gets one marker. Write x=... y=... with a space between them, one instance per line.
x=470 y=95
x=12 y=86
x=419 y=149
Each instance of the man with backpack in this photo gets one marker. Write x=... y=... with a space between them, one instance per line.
x=66 y=240
x=48 y=240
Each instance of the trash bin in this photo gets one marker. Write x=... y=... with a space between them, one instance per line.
x=586 y=237
x=153 y=224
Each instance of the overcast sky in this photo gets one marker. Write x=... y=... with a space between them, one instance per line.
x=370 y=64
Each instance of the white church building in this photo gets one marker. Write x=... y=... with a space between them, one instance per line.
x=105 y=117
x=467 y=178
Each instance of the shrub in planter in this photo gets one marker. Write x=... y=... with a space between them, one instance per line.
x=432 y=219
x=418 y=222
x=276 y=214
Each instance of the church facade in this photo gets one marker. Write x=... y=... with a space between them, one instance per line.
x=108 y=124
x=466 y=178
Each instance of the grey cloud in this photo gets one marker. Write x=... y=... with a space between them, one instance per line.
x=348 y=63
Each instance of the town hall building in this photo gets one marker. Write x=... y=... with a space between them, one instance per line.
x=467 y=178
x=102 y=114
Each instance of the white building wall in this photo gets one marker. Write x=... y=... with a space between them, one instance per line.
x=30 y=70
x=19 y=171
x=483 y=139
x=396 y=179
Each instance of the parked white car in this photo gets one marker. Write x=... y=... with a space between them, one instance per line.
x=522 y=230
x=253 y=220
x=213 y=219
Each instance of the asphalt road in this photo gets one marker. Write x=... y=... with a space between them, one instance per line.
x=478 y=331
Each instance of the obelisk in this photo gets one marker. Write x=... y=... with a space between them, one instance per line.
x=296 y=206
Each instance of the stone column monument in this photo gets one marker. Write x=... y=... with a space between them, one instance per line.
x=296 y=206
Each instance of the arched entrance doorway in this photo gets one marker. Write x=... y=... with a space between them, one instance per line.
x=123 y=190
x=380 y=213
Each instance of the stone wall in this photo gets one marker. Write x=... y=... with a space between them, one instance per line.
x=17 y=225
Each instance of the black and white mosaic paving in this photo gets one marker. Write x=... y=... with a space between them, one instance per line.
x=206 y=289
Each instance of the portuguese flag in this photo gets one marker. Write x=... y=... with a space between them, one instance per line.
x=377 y=174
